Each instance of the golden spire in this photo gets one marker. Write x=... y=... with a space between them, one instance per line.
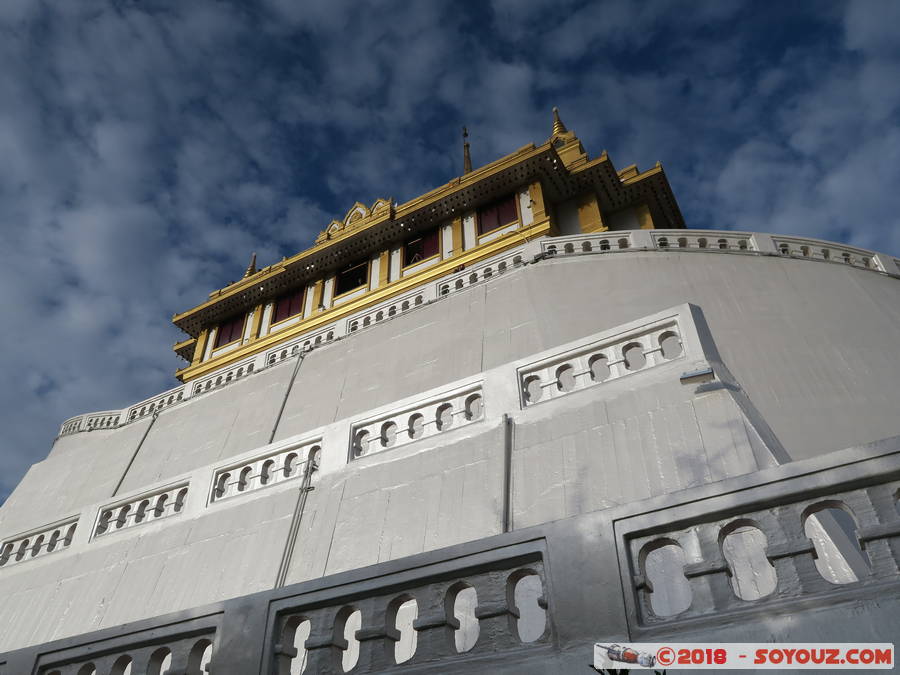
x=467 y=159
x=558 y=126
x=251 y=268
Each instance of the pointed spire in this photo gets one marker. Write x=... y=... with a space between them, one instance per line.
x=251 y=268
x=467 y=158
x=558 y=126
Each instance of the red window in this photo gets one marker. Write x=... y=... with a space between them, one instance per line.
x=497 y=215
x=288 y=305
x=229 y=331
x=421 y=247
x=352 y=277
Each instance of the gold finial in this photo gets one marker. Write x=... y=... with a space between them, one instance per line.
x=251 y=268
x=558 y=126
x=467 y=158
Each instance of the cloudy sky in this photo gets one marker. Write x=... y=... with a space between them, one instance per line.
x=147 y=147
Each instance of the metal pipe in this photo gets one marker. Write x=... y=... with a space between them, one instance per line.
x=134 y=454
x=286 y=394
x=508 y=430
x=305 y=488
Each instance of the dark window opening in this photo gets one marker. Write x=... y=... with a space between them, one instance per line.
x=353 y=277
x=497 y=215
x=421 y=247
x=288 y=305
x=229 y=331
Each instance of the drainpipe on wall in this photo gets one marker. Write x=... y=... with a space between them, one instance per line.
x=134 y=454
x=305 y=488
x=286 y=394
x=508 y=430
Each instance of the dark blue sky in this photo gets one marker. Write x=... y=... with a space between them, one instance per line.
x=149 y=146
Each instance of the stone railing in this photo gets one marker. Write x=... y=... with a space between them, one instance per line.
x=418 y=420
x=184 y=647
x=823 y=250
x=719 y=241
x=156 y=404
x=484 y=610
x=601 y=361
x=303 y=343
x=481 y=272
x=752 y=558
x=709 y=241
x=805 y=548
x=386 y=310
x=716 y=240
x=587 y=243
x=146 y=508
x=103 y=420
x=38 y=543
x=266 y=470
x=221 y=378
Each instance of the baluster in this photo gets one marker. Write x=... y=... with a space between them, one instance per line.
x=713 y=589
x=376 y=637
x=496 y=612
x=884 y=551
x=802 y=549
x=324 y=647
x=435 y=626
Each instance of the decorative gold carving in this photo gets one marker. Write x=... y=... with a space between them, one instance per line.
x=358 y=217
x=325 y=316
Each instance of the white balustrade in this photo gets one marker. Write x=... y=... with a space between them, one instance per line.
x=481 y=272
x=387 y=310
x=825 y=250
x=155 y=404
x=146 y=508
x=265 y=470
x=224 y=376
x=37 y=543
x=602 y=242
x=304 y=343
x=423 y=419
x=602 y=361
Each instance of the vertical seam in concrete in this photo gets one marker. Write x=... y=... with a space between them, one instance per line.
x=483 y=333
x=135 y=453
x=287 y=393
x=707 y=471
x=334 y=528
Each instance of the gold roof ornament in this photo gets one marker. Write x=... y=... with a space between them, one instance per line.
x=359 y=216
x=251 y=268
x=558 y=126
x=467 y=158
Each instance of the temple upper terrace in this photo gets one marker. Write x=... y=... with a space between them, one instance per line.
x=381 y=251
x=280 y=346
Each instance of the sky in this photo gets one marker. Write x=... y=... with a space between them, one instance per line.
x=147 y=147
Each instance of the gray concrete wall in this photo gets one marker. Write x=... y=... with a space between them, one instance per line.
x=80 y=469
x=811 y=346
x=211 y=427
x=128 y=576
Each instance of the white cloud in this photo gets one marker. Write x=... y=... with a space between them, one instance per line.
x=147 y=150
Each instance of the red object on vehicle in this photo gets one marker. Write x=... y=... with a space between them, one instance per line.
x=629 y=655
